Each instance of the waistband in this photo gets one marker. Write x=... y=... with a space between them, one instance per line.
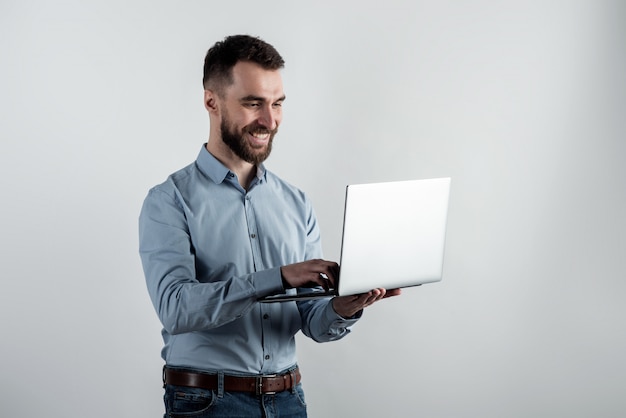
x=260 y=384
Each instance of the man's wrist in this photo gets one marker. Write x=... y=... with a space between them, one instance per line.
x=286 y=284
x=342 y=314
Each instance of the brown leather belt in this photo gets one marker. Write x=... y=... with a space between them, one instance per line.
x=261 y=384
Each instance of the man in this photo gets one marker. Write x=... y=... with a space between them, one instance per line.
x=222 y=233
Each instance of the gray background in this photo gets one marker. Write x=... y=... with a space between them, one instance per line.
x=521 y=103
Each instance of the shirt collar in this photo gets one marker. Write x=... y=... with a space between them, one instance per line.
x=217 y=171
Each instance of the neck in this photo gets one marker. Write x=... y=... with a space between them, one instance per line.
x=244 y=170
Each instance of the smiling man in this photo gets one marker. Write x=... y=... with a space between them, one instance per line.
x=223 y=232
x=245 y=114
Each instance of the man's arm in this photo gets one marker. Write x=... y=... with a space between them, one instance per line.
x=182 y=303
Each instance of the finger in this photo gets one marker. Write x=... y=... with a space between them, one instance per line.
x=363 y=301
x=393 y=292
x=373 y=296
x=331 y=272
x=335 y=271
x=320 y=278
x=316 y=280
x=326 y=283
x=363 y=298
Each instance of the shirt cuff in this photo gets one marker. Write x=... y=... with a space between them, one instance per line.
x=334 y=318
x=268 y=282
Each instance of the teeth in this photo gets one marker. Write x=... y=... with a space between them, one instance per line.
x=260 y=135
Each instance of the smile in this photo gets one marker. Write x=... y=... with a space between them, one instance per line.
x=260 y=135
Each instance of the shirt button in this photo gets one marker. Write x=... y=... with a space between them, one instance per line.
x=266 y=316
x=253 y=235
x=267 y=357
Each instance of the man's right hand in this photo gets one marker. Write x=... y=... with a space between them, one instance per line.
x=310 y=273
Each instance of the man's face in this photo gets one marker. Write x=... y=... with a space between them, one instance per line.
x=252 y=111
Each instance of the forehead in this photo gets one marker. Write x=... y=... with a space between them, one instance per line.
x=252 y=79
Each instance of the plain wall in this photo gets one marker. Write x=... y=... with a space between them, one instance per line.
x=522 y=103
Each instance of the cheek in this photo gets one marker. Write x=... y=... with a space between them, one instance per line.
x=247 y=119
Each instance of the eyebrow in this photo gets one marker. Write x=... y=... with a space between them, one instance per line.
x=252 y=98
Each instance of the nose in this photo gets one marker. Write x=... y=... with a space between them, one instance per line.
x=269 y=117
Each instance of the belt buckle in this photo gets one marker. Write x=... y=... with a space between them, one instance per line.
x=259 y=384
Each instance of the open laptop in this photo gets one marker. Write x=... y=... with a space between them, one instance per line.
x=393 y=237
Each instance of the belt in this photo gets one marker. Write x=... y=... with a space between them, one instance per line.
x=261 y=384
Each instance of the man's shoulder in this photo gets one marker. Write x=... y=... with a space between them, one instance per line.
x=175 y=180
x=283 y=185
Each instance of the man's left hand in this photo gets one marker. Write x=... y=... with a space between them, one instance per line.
x=348 y=306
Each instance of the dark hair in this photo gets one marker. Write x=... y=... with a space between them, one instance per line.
x=223 y=56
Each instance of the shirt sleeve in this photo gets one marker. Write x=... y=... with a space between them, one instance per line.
x=323 y=324
x=182 y=303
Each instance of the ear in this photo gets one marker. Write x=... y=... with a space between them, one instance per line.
x=210 y=101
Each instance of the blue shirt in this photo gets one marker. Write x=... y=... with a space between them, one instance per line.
x=210 y=249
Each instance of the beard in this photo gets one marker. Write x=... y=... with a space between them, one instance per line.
x=238 y=144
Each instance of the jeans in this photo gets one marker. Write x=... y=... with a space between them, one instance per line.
x=183 y=401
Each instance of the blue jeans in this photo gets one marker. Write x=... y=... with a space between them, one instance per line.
x=181 y=401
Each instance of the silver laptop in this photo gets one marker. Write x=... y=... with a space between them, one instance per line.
x=393 y=237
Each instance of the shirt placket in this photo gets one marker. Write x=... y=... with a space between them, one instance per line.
x=253 y=235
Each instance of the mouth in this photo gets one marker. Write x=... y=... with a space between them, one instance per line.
x=259 y=137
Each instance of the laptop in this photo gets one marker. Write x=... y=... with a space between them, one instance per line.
x=393 y=237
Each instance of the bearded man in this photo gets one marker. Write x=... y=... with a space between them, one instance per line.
x=222 y=233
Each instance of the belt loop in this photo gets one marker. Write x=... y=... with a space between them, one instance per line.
x=220 y=384
x=292 y=376
x=163 y=376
